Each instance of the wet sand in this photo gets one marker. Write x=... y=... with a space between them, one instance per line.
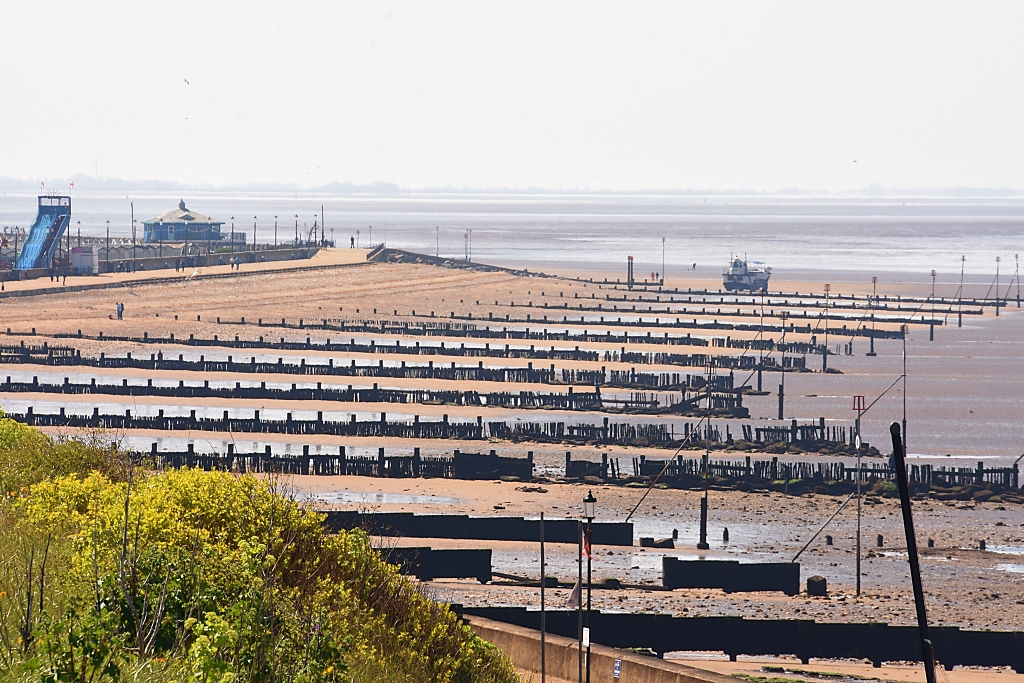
x=964 y=399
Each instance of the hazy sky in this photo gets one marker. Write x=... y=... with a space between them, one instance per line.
x=622 y=96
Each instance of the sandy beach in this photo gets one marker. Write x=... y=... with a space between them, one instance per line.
x=963 y=400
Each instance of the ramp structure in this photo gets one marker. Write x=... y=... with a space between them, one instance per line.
x=52 y=220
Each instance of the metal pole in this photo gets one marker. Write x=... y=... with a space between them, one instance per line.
x=824 y=355
x=437 y=241
x=543 y=613
x=590 y=635
x=663 y=260
x=928 y=654
x=858 y=444
x=702 y=544
x=760 y=350
x=905 y=329
x=960 y=297
x=579 y=603
x=931 y=323
x=997 y=286
x=133 y=236
x=275 y=232
x=782 y=386
x=874 y=301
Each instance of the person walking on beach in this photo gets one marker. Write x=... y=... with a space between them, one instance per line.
x=120 y=310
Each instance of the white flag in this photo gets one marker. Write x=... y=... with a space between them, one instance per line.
x=574 y=597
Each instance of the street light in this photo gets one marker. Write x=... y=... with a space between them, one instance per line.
x=662 y=261
x=134 y=241
x=589 y=510
x=275 y=232
x=824 y=353
x=296 y=229
x=589 y=506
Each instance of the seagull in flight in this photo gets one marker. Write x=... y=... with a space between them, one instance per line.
x=186 y=81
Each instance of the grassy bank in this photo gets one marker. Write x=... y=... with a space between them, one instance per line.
x=110 y=573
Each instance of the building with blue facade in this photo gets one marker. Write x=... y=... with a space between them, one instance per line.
x=181 y=225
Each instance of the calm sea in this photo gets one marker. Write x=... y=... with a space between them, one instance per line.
x=598 y=232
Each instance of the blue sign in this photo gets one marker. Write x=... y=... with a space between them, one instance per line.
x=618 y=668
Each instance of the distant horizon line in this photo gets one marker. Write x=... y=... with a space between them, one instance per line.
x=389 y=189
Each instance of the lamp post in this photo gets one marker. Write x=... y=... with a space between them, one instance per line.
x=871 y=305
x=254 y=233
x=79 y=233
x=275 y=232
x=107 y=254
x=134 y=241
x=296 y=230
x=702 y=543
x=997 y=310
x=589 y=510
x=824 y=353
x=232 y=234
x=662 y=261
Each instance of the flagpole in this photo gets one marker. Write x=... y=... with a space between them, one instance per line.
x=579 y=603
x=543 y=615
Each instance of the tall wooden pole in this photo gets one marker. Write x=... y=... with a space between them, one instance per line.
x=928 y=655
x=543 y=612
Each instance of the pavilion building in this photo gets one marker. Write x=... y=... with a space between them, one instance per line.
x=181 y=225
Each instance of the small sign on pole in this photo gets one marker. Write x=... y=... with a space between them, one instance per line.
x=858 y=403
x=586 y=636
x=617 y=671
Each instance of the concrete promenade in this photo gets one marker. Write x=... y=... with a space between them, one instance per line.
x=325 y=258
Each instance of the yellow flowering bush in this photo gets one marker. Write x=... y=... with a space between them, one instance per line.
x=109 y=574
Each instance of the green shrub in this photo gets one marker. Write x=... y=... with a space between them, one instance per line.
x=109 y=575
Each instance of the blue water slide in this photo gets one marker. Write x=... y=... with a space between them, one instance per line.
x=52 y=220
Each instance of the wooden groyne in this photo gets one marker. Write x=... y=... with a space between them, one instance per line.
x=440 y=349
x=980 y=483
x=459 y=466
x=520 y=328
x=493 y=528
x=66 y=356
x=876 y=642
x=604 y=432
x=726 y=405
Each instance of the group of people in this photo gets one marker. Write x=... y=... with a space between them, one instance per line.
x=120 y=310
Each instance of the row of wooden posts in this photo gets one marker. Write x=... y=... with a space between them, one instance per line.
x=462 y=465
x=604 y=432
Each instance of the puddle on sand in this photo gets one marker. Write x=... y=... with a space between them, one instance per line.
x=1006 y=549
x=376 y=498
x=1013 y=568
